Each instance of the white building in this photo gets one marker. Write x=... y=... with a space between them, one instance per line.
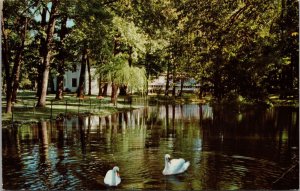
x=71 y=81
x=158 y=85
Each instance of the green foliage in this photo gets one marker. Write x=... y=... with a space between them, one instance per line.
x=118 y=71
x=131 y=35
x=245 y=48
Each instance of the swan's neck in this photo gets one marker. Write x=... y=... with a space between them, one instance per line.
x=167 y=163
x=166 y=169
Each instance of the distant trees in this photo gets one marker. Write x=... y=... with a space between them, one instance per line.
x=247 y=48
x=236 y=46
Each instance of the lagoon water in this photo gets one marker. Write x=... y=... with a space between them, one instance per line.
x=228 y=148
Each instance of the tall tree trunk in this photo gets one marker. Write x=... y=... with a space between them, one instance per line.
x=90 y=76
x=174 y=81
x=12 y=80
x=114 y=86
x=181 y=86
x=39 y=79
x=61 y=65
x=147 y=72
x=18 y=63
x=130 y=56
x=123 y=90
x=147 y=86
x=114 y=93
x=104 y=92
x=200 y=92
x=173 y=119
x=41 y=51
x=16 y=78
x=100 y=86
x=59 y=86
x=168 y=79
x=44 y=86
x=47 y=53
x=51 y=82
x=80 y=90
x=5 y=59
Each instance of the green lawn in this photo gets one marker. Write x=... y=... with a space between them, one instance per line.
x=24 y=109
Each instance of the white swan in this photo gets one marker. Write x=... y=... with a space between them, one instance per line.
x=174 y=166
x=112 y=177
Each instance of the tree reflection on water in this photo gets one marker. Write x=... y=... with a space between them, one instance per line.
x=249 y=148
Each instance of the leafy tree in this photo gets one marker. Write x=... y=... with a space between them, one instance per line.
x=15 y=21
x=129 y=40
x=92 y=21
x=46 y=52
x=288 y=44
x=247 y=48
x=63 y=56
x=118 y=72
x=230 y=44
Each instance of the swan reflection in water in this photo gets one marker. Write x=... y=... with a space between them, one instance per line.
x=75 y=153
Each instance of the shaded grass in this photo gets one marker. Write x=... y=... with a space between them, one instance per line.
x=186 y=98
x=24 y=109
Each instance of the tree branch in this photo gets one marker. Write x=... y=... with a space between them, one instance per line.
x=109 y=2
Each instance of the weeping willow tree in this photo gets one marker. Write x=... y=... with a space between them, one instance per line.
x=118 y=72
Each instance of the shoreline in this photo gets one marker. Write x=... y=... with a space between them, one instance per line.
x=24 y=111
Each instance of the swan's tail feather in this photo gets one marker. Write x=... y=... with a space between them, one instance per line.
x=186 y=165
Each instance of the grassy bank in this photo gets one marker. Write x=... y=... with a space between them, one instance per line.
x=24 y=109
x=271 y=100
x=184 y=99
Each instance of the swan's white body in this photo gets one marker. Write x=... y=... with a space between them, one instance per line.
x=175 y=166
x=112 y=177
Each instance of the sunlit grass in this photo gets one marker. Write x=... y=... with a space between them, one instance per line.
x=24 y=109
x=291 y=101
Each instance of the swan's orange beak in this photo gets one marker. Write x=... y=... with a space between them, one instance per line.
x=118 y=174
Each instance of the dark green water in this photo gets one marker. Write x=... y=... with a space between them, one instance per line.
x=228 y=149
